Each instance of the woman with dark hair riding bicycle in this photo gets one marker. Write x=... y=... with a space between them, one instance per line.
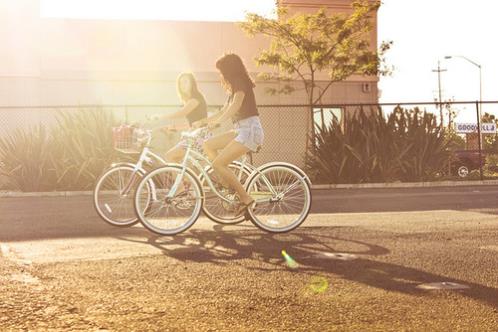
x=247 y=134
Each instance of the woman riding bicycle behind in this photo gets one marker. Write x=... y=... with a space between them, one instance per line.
x=247 y=134
x=194 y=110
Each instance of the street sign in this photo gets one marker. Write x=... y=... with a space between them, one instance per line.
x=467 y=128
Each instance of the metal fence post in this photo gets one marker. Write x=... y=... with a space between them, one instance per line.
x=479 y=139
x=313 y=131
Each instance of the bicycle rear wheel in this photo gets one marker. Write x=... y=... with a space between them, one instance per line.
x=282 y=198
x=168 y=215
x=217 y=209
x=114 y=193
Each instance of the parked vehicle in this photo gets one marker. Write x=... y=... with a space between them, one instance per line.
x=467 y=160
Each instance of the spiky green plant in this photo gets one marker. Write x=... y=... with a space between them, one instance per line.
x=429 y=148
x=68 y=156
x=405 y=146
x=82 y=147
x=25 y=156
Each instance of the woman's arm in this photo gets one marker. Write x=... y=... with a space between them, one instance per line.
x=229 y=110
x=162 y=120
x=205 y=121
x=186 y=109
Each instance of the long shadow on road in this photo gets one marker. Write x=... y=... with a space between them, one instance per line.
x=306 y=246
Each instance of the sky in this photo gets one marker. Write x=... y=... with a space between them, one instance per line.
x=423 y=32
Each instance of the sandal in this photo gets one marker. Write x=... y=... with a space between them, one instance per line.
x=242 y=210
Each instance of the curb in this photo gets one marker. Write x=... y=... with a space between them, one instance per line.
x=405 y=185
x=14 y=194
x=394 y=185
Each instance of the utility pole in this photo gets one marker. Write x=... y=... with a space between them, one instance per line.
x=439 y=71
x=479 y=109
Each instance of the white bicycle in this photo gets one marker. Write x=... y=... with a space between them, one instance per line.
x=282 y=194
x=114 y=191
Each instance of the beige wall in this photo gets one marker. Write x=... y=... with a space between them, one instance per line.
x=57 y=61
x=72 y=62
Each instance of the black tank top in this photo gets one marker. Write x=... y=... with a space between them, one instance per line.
x=200 y=112
x=248 y=107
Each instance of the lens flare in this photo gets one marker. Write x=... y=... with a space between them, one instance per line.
x=291 y=263
x=318 y=284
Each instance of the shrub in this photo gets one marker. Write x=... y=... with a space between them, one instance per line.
x=406 y=146
x=25 y=155
x=82 y=147
x=68 y=157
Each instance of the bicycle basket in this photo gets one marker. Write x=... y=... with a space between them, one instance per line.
x=124 y=139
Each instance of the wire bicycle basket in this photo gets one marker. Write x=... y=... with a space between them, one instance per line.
x=125 y=139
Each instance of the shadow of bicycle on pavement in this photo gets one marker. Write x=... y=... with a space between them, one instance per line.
x=317 y=250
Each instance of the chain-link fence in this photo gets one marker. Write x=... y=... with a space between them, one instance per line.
x=470 y=126
x=289 y=128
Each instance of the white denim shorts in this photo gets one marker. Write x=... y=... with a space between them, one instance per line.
x=249 y=132
x=203 y=136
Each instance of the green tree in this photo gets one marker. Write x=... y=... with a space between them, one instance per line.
x=303 y=45
x=490 y=141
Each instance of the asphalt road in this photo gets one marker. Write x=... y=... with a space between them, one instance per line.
x=63 y=268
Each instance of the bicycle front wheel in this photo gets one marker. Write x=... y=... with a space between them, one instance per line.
x=114 y=193
x=282 y=198
x=169 y=214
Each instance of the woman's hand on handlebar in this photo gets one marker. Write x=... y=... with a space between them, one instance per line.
x=169 y=130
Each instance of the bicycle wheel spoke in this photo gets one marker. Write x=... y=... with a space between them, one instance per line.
x=173 y=214
x=113 y=207
x=218 y=209
x=290 y=202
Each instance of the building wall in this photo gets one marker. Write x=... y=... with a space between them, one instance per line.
x=74 y=62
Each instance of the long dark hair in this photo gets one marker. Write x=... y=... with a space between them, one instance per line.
x=233 y=71
x=194 y=90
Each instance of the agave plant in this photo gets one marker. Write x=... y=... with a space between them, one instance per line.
x=408 y=145
x=25 y=156
x=68 y=156
x=429 y=148
x=82 y=147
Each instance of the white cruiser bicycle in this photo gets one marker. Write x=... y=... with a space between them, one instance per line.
x=282 y=194
x=114 y=192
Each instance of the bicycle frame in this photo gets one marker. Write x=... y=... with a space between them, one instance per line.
x=146 y=156
x=194 y=157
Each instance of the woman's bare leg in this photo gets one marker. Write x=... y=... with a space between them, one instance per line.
x=216 y=143
x=231 y=152
x=212 y=145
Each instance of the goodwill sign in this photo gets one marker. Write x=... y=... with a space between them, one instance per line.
x=466 y=128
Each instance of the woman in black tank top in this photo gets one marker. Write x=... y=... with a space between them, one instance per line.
x=248 y=132
x=194 y=110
